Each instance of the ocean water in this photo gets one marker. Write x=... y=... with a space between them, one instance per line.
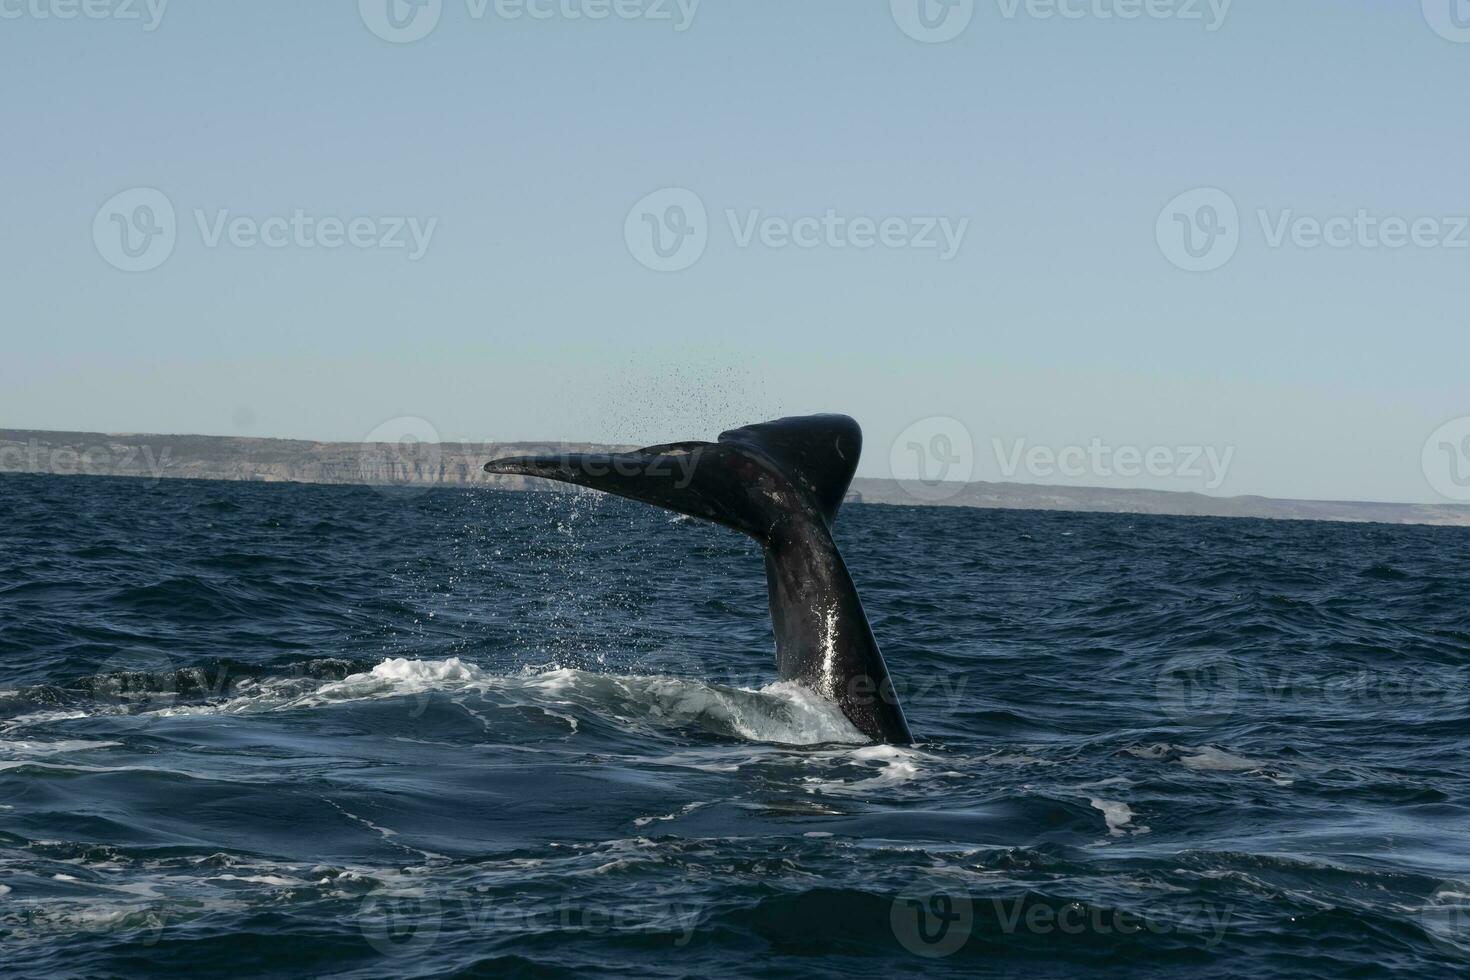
x=258 y=730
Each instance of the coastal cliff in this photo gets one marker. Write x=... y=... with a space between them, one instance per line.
x=424 y=464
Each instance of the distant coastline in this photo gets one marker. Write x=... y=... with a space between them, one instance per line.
x=163 y=457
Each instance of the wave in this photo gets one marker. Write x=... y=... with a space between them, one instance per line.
x=781 y=713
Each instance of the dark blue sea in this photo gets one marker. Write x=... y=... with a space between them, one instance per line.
x=256 y=730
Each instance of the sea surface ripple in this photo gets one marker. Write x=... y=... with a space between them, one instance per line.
x=284 y=731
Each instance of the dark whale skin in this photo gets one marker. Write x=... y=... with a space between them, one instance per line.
x=782 y=483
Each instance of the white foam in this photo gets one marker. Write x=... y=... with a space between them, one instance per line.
x=1210 y=759
x=1123 y=781
x=27 y=749
x=645 y=821
x=422 y=673
x=44 y=717
x=894 y=766
x=1117 y=815
x=1158 y=750
x=1015 y=759
x=274 y=881
x=783 y=713
x=1204 y=758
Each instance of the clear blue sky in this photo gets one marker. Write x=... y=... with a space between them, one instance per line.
x=1058 y=321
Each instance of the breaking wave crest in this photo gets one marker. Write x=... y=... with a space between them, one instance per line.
x=782 y=713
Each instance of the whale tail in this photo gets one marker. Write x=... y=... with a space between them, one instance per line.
x=782 y=483
x=749 y=480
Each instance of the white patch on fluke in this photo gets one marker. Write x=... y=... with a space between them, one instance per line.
x=829 y=653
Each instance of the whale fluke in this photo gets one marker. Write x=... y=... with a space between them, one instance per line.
x=782 y=483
